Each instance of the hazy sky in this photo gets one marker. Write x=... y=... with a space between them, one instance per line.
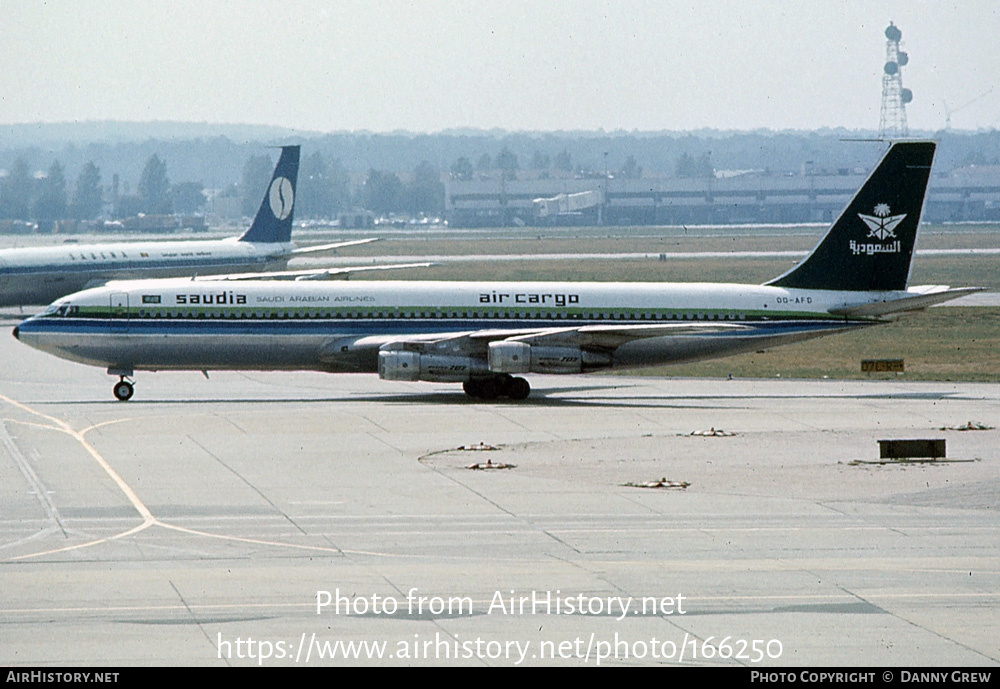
x=382 y=65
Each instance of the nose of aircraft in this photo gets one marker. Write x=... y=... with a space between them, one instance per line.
x=17 y=333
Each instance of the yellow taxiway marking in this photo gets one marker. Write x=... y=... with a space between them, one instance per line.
x=148 y=518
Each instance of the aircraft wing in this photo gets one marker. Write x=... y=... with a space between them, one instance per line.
x=917 y=298
x=302 y=250
x=610 y=336
x=310 y=274
x=585 y=336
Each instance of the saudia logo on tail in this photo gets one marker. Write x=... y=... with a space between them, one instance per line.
x=881 y=226
x=282 y=197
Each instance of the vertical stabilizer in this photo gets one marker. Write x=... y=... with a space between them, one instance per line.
x=870 y=246
x=273 y=222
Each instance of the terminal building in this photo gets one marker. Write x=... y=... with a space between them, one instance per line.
x=965 y=195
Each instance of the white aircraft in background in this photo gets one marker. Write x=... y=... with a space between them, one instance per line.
x=484 y=335
x=40 y=275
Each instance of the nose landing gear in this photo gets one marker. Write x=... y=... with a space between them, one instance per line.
x=125 y=386
x=123 y=390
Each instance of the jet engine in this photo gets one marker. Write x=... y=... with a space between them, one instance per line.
x=520 y=357
x=435 y=368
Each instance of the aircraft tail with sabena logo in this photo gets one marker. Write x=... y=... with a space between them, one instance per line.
x=273 y=222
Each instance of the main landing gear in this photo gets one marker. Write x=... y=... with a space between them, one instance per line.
x=123 y=390
x=497 y=386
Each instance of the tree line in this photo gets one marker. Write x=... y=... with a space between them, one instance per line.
x=48 y=198
x=324 y=189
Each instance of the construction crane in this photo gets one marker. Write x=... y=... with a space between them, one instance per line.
x=948 y=112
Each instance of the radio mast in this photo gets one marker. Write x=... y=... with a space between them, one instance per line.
x=892 y=122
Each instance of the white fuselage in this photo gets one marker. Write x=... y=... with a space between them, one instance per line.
x=340 y=326
x=35 y=276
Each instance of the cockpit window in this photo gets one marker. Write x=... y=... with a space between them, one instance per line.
x=59 y=310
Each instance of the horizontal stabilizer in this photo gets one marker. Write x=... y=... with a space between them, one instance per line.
x=916 y=298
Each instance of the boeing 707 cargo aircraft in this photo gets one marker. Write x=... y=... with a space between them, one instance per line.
x=39 y=275
x=487 y=335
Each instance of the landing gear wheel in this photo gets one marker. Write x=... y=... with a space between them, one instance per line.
x=517 y=388
x=498 y=386
x=123 y=390
x=489 y=388
x=483 y=388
